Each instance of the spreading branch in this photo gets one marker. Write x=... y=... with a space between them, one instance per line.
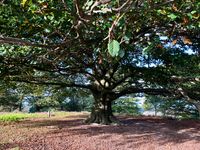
x=21 y=42
x=56 y=83
x=150 y=91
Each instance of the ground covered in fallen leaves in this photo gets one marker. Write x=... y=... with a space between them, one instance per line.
x=71 y=133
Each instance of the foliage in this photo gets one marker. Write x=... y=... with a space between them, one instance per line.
x=179 y=109
x=73 y=99
x=113 y=48
x=9 y=98
x=126 y=106
x=64 y=99
x=170 y=107
x=13 y=95
x=77 y=103
x=152 y=103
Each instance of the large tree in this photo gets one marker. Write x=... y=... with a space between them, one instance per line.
x=112 y=48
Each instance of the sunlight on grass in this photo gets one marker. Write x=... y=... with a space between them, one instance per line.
x=8 y=117
x=12 y=117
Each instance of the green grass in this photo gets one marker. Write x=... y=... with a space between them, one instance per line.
x=11 y=117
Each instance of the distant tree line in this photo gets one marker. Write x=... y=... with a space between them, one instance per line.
x=24 y=97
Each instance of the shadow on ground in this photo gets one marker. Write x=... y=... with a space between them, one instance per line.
x=71 y=131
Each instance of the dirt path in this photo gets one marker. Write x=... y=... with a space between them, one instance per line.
x=70 y=133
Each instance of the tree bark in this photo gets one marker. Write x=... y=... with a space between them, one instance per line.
x=102 y=111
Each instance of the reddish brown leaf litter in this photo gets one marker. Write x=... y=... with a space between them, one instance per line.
x=70 y=133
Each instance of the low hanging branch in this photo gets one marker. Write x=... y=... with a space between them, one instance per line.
x=185 y=79
x=21 y=42
x=56 y=83
x=150 y=91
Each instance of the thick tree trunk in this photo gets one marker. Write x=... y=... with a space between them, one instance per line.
x=102 y=112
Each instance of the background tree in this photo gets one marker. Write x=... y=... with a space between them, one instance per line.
x=153 y=103
x=13 y=95
x=72 y=99
x=180 y=109
x=127 y=106
x=112 y=48
x=171 y=107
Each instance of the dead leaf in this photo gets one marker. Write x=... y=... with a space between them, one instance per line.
x=186 y=40
x=174 y=7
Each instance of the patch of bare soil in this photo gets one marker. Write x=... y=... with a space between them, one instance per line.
x=71 y=133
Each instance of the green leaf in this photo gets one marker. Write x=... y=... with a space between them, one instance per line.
x=47 y=30
x=23 y=2
x=172 y=16
x=113 y=48
x=127 y=39
x=88 y=4
x=121 y=53
x=163 y=12
x=193 y=12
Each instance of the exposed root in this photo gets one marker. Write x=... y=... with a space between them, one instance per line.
x=102 y=118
